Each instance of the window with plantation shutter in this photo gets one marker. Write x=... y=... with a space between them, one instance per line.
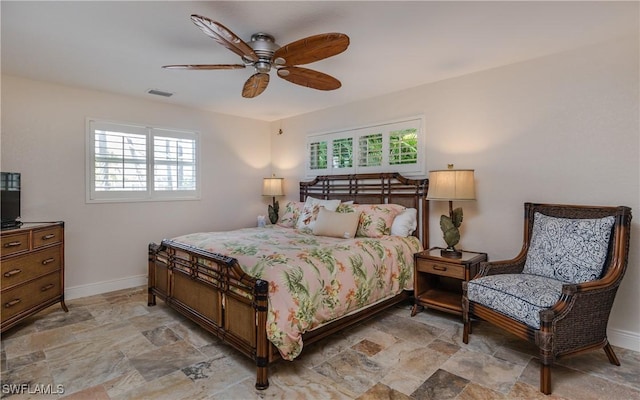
x=395 y=146
x=403 y=146
x=370 y=150
x=342 y=150
x=138 y=163
x=317 y=156
x=174 y=163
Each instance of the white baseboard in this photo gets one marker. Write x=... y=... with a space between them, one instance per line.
x=93 y=289
x=627 y=339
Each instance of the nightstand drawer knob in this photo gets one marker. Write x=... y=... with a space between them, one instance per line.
x=13 y=244
x=49 y=236
x=439 y=268
x=48 y=260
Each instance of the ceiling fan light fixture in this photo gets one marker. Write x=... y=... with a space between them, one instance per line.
x=262 y=66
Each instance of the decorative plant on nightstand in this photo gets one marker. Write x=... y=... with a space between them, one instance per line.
x=450 y=225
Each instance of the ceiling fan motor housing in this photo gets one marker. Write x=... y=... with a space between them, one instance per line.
x=264 y=46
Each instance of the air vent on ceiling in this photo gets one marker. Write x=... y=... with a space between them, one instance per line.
x=159 y=93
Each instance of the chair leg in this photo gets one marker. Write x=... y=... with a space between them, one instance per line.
x=466 y=320
x=545 y=378
x=466 y=329
x=611 y=355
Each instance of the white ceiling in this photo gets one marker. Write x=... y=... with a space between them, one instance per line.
x=120 y=47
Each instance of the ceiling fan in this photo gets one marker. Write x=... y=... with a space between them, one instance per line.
x=263 y=54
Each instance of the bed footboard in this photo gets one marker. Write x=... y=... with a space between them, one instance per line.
x=213 y=291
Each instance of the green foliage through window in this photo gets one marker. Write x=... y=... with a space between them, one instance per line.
x=403 y=147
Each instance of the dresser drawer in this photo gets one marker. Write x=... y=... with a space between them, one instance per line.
x=23 y=268
x=14 y=243
x=45 y=237
x=22 y=298
x=442 y=269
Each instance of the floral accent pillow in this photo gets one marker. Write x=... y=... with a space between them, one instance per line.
x=307 y=219
x=375 y=219
x=291 y=214
x=569 y=250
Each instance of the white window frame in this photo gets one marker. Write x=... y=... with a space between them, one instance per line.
x=385 y=128
x=149 y=193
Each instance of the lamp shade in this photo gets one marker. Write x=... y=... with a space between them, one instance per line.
x=272 y=187
x=451 y=184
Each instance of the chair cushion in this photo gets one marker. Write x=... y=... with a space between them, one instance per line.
x=570 y=250
x=519 y=296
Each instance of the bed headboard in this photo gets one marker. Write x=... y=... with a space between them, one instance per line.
x=381 y=188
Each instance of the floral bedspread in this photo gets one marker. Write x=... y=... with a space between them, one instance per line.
x=314 y=279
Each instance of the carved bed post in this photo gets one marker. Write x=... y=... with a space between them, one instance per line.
x=262 y=345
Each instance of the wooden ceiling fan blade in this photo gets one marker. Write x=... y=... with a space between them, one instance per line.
x=224 y=36
x=204 y=66
x=255 y=85
x=311 y=49
x=309 y=78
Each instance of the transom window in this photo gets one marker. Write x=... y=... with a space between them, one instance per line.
x=138 y=163
x=387 y=147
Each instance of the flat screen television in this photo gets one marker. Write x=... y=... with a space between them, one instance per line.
x=10 y=199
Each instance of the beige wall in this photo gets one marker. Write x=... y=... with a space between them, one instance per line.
x=43 y=137
x=559 y=129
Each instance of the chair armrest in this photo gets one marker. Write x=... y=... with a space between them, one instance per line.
x=514 y=266
x=585 y=305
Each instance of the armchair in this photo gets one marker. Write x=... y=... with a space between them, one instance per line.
x=559 y=290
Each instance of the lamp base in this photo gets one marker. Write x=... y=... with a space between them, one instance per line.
x=450 y=253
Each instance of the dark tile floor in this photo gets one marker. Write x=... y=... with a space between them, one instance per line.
x=113 y=346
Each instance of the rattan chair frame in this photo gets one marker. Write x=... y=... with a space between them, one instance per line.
x=578 y=321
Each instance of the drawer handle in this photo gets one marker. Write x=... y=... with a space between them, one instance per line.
x=439 y=268
x=11 y=303
x=49 y=236
x=45 y=288
x=48 y=260
x=11 y=273
x=13 y=244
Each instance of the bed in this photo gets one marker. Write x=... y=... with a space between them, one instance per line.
x=269 y=291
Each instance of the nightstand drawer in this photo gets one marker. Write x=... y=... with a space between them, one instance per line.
x=442 y=269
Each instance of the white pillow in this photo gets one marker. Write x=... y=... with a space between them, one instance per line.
x=334 y=224
x=310 y=211
x=405 y=223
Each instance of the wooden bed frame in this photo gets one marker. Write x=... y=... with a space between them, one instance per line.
x=214 y=291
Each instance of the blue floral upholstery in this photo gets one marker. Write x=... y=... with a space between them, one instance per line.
x=520 y=296
x=569 y=250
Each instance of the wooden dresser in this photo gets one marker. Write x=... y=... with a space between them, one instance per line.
x=32 y=267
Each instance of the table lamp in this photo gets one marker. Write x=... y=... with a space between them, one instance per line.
x=451 y=185
x=273 y=187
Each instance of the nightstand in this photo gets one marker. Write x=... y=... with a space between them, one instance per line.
x=437 y=281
